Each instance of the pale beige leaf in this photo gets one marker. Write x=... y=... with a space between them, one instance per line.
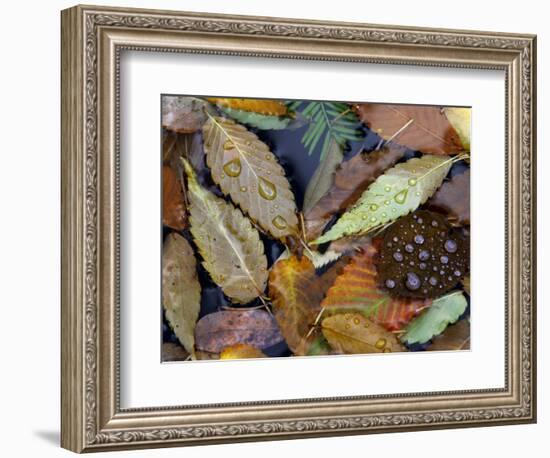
x=352 y=333
x=230 y=246
x=181 y=290
x=247 y=171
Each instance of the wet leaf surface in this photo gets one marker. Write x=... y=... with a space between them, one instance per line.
x=455 y=337
x=453 y=199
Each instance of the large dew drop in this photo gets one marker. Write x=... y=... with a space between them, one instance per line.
x=228 y=144
x=401 y=196
x=233 y=167
x=279 y=222
x=267 y=189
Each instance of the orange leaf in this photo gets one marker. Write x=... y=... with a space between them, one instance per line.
x=350 y=180
x=356 y=290
x=421 y=128
x=241 y=351
x=173 y=204
x=295 y=294
x=265 y=107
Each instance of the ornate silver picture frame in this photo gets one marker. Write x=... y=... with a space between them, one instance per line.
x=93 y=39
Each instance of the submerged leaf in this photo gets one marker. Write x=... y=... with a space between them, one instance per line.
x=241 y=351
x=181 y=290
x=230 y=246
x=399 y=191
x=455 y=337
x=261 y=106
x=328 y=121
x=350 y=181
x=453 y=199
x=421 y=128
x=173 y=204
x=295 y=294
x=249 y=173
x=260 y=121
x=356 y=290
x=323 y=177
x=220 y=330
x=183 y=114
x=433 y=321
x=352 y=333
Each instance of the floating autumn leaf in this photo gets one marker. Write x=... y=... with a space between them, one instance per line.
x=453 y=199
x=352 y=333
x=181 y=290
x=422 y=256
x=262 y=114
x=356 y=290
x=350 y=180
x=295 y=295
x=173 y=204
x=421 y=128
x=394 y=194
x=461 y=120
x=249 y=173
x=230 y=246
x=455 y=337
x=219 y=330
x=183 y=114
x=323 y=177
x=260 y=106
x=173 y=352
x=433 y=321
x=241 y=351
x=318 y=259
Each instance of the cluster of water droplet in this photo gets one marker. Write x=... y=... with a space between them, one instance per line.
x=422 y=256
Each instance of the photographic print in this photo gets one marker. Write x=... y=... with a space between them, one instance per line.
x=312 y=228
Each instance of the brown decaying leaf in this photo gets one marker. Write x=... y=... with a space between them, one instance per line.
x=453 y=199
x=181 y=290
x=295 y=293
x=173 y=352
x=173 y=203
x=356 y=290
x=219 y=330
x=455 y=337
x=427 y=128
x=230 y=246
x=350 y=180
x=249 y=173
x=182 y=114
x=241 y=351
x=352 y=333
x=260 y=106
x=466 y=284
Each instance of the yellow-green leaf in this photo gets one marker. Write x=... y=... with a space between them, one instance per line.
x=461 y=119
x=241 y=351
x=401 y=190
x=230 y=246
x=181 y=290
x=248 y=172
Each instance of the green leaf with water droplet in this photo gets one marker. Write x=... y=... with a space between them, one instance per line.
x=401 y=190
x=260 y=121
x=248 y=172
x=444 y=311
x=229 y=244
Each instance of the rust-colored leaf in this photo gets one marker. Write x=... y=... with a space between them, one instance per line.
x=351 y=179
x=261 y=106
x=453 y=199
x=421 y=128
x=356 y=290
x=219 y=330
x=353 y=333
x=455 y=337
x=241 y=351
x=295 y=294
x=173 y=203
x=183 y=114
